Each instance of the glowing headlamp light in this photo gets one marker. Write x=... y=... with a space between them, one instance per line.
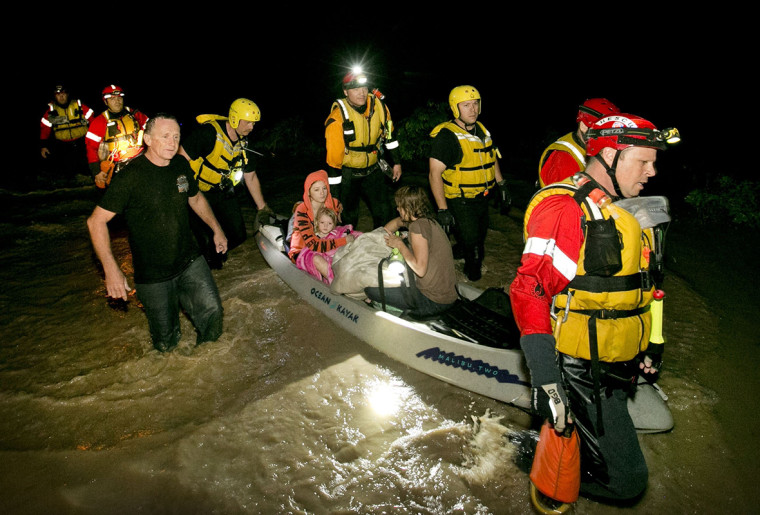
x=669 y=135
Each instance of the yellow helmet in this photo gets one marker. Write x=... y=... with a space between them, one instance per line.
x=243 y=109
x=462 y=94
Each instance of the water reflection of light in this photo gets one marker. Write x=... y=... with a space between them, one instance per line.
x=385 y=398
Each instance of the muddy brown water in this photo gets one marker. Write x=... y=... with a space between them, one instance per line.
x=280 y=415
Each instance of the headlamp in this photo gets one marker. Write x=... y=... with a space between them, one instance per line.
x=669 y=135
x=639 y=137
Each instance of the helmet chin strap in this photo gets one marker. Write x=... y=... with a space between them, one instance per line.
x=611 y=171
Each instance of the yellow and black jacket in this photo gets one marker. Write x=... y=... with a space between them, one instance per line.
x=67 y=123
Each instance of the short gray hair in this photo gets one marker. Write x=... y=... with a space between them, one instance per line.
x=160 y=116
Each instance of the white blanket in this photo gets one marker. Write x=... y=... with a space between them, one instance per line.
x=355 y=265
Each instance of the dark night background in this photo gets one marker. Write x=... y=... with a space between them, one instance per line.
x=532 y=71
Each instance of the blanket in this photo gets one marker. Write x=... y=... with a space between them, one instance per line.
x=355 y=265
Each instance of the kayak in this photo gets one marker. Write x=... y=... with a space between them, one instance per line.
x=474 y=345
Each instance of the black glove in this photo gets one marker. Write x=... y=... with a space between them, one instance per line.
x=650 y=361
x=548 y=397
x=445 y=218
x=264 y=214
x=505 y=198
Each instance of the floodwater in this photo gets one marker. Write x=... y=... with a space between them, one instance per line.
x=286 y=413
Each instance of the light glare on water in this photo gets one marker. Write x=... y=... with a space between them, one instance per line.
x=286 y=413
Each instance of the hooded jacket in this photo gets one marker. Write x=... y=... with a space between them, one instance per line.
x=303 y=225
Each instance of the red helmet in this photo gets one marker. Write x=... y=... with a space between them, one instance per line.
x=112 y=91
x=595 y=108
x=621 y=131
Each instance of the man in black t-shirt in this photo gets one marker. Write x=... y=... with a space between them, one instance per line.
x=152 y=193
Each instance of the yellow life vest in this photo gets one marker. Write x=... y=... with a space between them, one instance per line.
x=609 y=312
x=69 y=122
x=567 y=144
x=362 y=131
x=226 y=160
x=123 y=136
x=475 y=173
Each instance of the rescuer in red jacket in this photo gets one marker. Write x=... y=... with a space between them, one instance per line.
x=567 y=155
x=115 y=136
x=62 y=131
x=582 y=300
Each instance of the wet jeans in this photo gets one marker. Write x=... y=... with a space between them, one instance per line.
x=407 y=298
x=195 y=291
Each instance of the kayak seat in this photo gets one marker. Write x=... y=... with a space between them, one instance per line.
x=487 y=319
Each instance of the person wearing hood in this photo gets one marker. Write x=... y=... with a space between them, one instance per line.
x=305 y=245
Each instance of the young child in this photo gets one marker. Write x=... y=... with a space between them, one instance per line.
x=306 y=248
x=325 y=228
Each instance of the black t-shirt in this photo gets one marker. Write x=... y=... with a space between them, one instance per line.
x=153 y=200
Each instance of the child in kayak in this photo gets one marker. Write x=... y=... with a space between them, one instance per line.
x=325 y=228
x=307 y=248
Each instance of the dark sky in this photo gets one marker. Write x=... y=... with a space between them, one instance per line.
x=532 y=74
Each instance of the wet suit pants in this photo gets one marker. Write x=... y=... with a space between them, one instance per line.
x=229 y=215
x=195 y=291
x=612 y=464
x=470 y=229
x=375 y=191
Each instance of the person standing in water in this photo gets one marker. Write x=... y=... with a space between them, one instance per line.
x=153 y=193
x=582 y=298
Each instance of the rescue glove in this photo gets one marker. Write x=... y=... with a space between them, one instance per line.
x=262 y=217
x=504 y=197
x=650 y=361
x=445 y=218
x=548 y=397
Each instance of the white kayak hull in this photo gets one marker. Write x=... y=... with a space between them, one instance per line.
x=497 y=373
